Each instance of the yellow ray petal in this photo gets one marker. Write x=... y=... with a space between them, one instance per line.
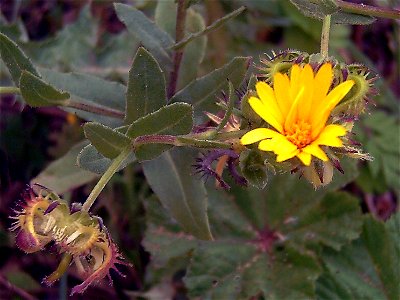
x=282 y=88
x=305 y=102
x=329 y=136
x=316 y=151
x=324 y=109
x=265 y=112
x=287 y=155
x=267 y=97
x=292 y=115
x=256 y=135
x=267 y=145
x=323 y=81
x=305 y=158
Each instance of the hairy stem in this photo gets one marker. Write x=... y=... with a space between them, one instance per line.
x=368 y=10
x=326 y=26
x=9 y=90
x=105 y=178
x=100 y=110
x=179 y=35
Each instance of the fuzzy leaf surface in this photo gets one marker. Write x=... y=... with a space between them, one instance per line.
x=147 y=32
x=183 y=195
x=263 y=247
x=146 y=87
x=174 y=119
x=107 y=141
x=63 y=174
x=201 y=92
x=15 y=60
x=366 y=269
x=38 y=93
x=92 y=160
x=92 y=90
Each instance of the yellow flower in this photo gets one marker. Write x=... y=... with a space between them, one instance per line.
x=298 y=109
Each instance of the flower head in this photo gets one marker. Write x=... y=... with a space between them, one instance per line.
x=298 y=108
x=79 y=236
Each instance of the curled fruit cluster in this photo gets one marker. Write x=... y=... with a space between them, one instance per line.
x=79 y=236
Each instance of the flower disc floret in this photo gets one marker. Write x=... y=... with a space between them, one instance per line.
x=298 y=108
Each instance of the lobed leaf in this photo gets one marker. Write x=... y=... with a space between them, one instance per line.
x=146 y=87
x=230 y=270
x=366 y=269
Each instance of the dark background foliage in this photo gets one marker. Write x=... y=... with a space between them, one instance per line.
x=87 y=36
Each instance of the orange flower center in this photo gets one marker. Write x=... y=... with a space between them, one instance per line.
x=299 y=134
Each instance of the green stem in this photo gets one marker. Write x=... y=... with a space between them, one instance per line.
x=9 y=90
x=368 y=10
x=180 y=141
x=326 y=26
x=96 y=109
x=179 y=35
x=105 y=178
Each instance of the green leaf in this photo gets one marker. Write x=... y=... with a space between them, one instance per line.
x=165 y=17
x=366 y=269
x=382 y=141
x=74 y=45
x=286 y=196
x=201 y=92
x=91 y=90
x=38 y=93
x=91 y=160
x=149 y=34
x=231 y=270
x=183 y=195
x=174 y=119
x=218 y=23
x=15 y=60
x=107 y=141
x=317 y=9
x=333 y=221
x=194 y=52
x=146 y=87
x=267 y=239
x=342 y=17
x=63 y=174
x=253 y=168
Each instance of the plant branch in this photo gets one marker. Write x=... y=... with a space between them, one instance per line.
x=179 y=141
x=218 y=23
x=368 y=10
x=9 y=90
x=117 y=162
x=179 y=35
x=97 y=109
x=326 y=26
